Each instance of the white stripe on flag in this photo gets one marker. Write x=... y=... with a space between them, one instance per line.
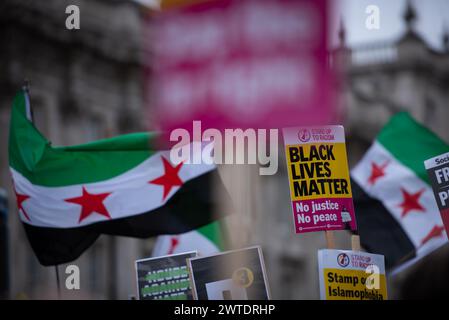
x=131 y=194
x=189 y=241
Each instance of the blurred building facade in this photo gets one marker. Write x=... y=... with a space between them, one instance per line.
x=404 y=74
x=88 y=84
x=379 y=79
x=85 y=85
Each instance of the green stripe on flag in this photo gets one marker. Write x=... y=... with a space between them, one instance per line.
x=216 y=233
x=31 y=154
x=411 y=143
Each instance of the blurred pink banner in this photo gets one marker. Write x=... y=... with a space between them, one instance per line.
x=241 y=64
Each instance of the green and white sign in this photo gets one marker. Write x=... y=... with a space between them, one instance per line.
x=164 y=278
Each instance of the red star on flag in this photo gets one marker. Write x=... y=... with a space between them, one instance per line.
x=377 y=171
x=437 y=231
x=173 y=244
x=90 y=203
x=20 y=199
x=170 y=178
x=411 y=202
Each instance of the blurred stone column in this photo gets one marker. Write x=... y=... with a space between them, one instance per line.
x=240 y=182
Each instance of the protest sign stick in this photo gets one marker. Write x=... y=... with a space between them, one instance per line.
x=355 y=243
x=58 y=283
x=330 y=239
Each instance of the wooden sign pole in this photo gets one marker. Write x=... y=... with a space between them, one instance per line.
x=355 y=243
x=330 y=239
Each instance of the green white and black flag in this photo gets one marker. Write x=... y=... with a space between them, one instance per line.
x=397 y=215
x=68 y=196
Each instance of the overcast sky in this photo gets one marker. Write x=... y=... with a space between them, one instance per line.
x=432 y=16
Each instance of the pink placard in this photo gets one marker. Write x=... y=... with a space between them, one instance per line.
x=241 y=64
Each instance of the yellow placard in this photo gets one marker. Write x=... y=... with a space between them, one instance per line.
x=354 y=285
x=318 y=171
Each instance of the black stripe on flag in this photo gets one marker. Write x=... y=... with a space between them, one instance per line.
x=191 y=207
x=379 y=231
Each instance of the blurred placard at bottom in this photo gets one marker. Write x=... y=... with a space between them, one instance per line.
x=164 y=277
x=231 y=275
x=351 y=275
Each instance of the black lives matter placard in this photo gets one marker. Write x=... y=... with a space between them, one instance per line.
x=438 y=171
x=320 y=189
x=231 y=275
x=164 y=278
